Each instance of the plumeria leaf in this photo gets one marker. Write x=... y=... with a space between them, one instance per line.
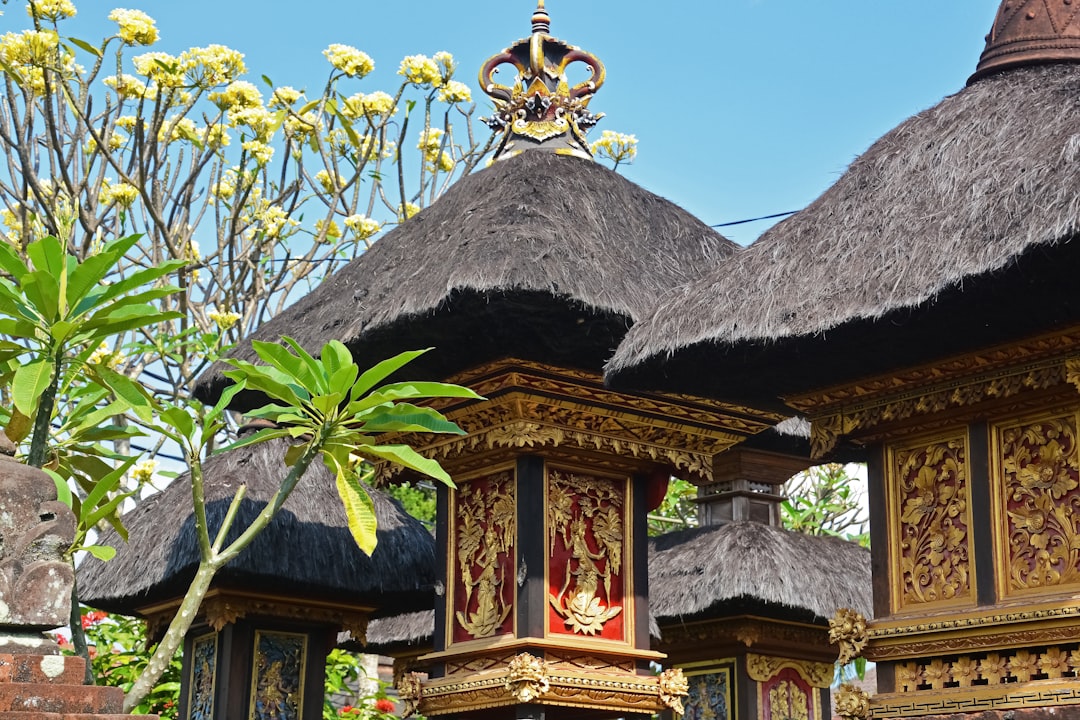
x=404 y=417
x=101 y=552
x=375 y=375
x=407 y=457
x=63 y=491
x=29 y=383
x=359 y=509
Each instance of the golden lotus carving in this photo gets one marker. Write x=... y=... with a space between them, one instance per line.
x=586 y=512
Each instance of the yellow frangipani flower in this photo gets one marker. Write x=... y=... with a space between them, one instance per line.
x=615 y=146
x=104 y=355
x=377 y=104
x=177 y=128
x=50 y=9
x=430 y=143
x=446 y=162
x=129 y=86
x=216 y=137
x=349 y=60
x=331 y=230
x=122 y=194
x=213 y=65
x=421 y=70
x=127 y=122
x=143 y=471
x=162 y=68
x=455 y=92
x=136 y=27
x=259 y=151
x=363 y=226
x=410 y=210
x=328 y=182
x=224 y=320
x=238 y=94
x=302 y=126
x=258 y=119
x=284 y=96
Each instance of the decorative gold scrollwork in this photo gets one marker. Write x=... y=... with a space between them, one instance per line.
x=527 y=678
x=673 y=688
x=411 y=690
x=847 y=629
x=852 y=703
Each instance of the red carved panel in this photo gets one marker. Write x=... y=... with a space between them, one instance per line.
x=588 y=535
x=482 y=536
x=787 y=695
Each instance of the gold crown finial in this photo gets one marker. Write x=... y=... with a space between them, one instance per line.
x=541 y=21
x=541 y=108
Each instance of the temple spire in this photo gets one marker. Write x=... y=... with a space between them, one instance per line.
x=1031 y=32
x=541 y=109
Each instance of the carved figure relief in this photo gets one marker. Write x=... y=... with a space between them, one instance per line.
x=930 y=519
x=203 y=678
x=587 y=533
x=1041 y=498
x=709 y=695
x=787 y=696
x=484 y=528
x=277 y=684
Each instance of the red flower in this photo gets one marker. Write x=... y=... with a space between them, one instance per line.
x=92 y=618
x=384 y=706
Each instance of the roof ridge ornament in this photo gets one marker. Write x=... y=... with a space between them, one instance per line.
x=541 y=109
x=1031 y=32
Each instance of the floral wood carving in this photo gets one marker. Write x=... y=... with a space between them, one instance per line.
x=673 y=688
x=410 y=690
x=586 y=523
x=932 y=527
x=1042 y=501
x=852 y=703
x=847 y=630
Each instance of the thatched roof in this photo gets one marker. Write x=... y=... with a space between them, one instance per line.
x=965 y=210
x=540 y=256
x=306 y=550
x=694 y=574
x=709 y=571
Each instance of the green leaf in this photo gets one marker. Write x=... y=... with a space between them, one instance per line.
x=291 y=365
x=12 y=263
x=336 y=357
x=101 y=552
x=63 y=491
x=255 y=438
x=29 y=383
x=48 y=255
x=43 y=292
x=383 y=370
x=82 y=44
x=407 y=457
x=105 y=485
x=179 y=419
x=131 y=392
x=316 y=369
x=359 y=509
x=404 y=417
x=267 y=380
x=18 y=426
x=406 y=390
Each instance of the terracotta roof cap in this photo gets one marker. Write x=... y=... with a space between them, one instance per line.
x=1031 y=32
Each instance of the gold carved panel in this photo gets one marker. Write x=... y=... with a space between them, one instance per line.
x=929 y=520
x=1037 y=504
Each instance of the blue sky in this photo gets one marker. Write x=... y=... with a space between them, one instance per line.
x=742 y=107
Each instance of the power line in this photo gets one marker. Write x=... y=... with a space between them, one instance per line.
x=754 y=219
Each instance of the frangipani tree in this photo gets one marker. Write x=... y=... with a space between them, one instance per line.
x=258 y=188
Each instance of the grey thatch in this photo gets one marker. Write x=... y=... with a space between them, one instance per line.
x=540 y=256
x=306 y=550
x=694 y=574
x=960 y=203
x=395 y=634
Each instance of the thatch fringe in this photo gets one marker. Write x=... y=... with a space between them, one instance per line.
x=307 y=549
x=529 y=238
x=692 y=572
x=956 y=192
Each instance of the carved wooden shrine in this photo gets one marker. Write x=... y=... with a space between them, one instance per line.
x=544 y=541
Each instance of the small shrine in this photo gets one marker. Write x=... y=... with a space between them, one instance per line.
x=946 y=344
x=742 y=605
x=525 y=276
x=258 y=647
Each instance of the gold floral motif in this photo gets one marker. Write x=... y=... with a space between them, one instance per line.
x=1042 y=502
x=908 y=676
x=964 y=671
x=673 y=688
x=411 y=690
x=993 y=668
x=932 y=527
x=852 y=703
x=485 y=537
x=527 y=677
x=764 y=667
x=586 y=511
x=937 y=673
x=1053 y=663
x=787 y=700
x=847 y=629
